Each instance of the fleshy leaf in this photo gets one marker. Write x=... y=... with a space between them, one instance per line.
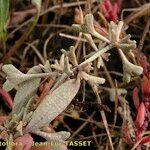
x=25 y=142
x=129 y=69
x=47 y=67
x=140 y=115
x=15 y=77
x=146 y=86
x=3 y=119
x=93 y=80
x=59 y=65
x=7 y=97
x=57 y=136
x=71 y=55
x=53 y=104
x=115 y=31
x=145 y=140
x=88 y=27
x=26 y=90
x=136 y=97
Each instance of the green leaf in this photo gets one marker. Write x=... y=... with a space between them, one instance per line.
x=4 y=11
x=53 y=104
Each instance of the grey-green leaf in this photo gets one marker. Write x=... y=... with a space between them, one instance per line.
x=26 y=90
x=15 y=77
x=56 y=136
x=53 y=104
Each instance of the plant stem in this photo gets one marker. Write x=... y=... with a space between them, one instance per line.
x=97 y=54
x=92 y=58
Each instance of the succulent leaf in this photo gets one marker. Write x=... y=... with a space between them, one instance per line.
x=26 y=90
x=129 y=69
x=53 y=104
x=88 y=27
x=15 y=77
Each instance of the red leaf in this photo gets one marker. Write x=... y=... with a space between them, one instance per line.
x=107 y=5
x=105 y=11
x=3 y=119
x=126 y=135
x=6 y=97
x=119 y=3
x=145 y=140
x=143 y=62
x=139 y=134
x=25 y=142
x=140 y=116
x=136 y=97
x=146 y=86
x=113 y=13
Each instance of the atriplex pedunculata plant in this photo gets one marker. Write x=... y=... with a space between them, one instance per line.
x=32 y=114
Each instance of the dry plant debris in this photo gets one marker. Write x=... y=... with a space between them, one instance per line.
x=75 y=73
